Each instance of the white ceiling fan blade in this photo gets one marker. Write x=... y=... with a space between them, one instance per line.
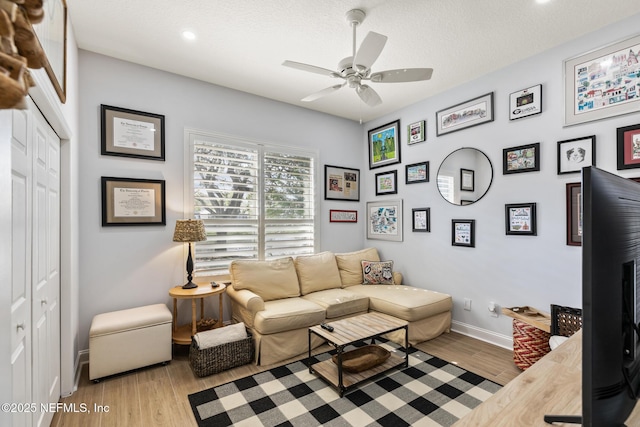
x=323 y=92
x=310 y=68
x=402 y=75
x=370 y=49
x=368 y=95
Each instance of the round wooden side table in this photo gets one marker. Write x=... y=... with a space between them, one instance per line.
x=182 y=334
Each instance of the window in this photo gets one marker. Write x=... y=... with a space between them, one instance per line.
x=257 y=200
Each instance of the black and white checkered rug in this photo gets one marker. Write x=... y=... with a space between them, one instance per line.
x=430 y=392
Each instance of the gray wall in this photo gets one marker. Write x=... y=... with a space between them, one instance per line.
x=124 y=267
x=509 y=270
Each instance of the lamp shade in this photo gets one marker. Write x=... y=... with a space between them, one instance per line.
x=189 y=230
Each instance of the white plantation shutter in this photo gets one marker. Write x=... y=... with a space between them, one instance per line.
x=257 y=201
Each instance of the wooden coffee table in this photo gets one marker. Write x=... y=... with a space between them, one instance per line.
x=350 y=331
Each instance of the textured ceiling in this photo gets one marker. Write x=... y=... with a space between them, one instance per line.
x=241 y=44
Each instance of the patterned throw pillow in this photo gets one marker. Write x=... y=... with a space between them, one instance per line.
x=377 y=272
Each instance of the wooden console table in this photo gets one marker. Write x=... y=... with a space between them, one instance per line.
x=552 y=386
x=182 y=334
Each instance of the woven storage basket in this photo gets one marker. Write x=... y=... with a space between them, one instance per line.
x=221 y=357
x=530 y=344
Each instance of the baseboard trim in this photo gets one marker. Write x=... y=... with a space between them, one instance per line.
x=81 y=360
x=504 y=341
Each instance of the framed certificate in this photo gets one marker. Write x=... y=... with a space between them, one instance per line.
x=127 y=201
x=129 y=133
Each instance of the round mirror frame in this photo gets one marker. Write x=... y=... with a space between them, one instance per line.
x=472 y=180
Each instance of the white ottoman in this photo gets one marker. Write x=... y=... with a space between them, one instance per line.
x=129 y=339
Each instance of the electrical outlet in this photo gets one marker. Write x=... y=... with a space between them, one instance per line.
x=467 y=304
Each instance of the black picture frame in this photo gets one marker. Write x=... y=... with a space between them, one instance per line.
x=574 y=214
x=131 y=133
x=467 y=114
x=525 y=102
x=387 y=183
x=131 y=201
x=576 y=153
x=384 y=145
x=416 y=172
x=463 y=232
x=523 y=158
x=341 y=183
x=628 y=147
x=467 y=180
x=421 y=220
x=520 y=219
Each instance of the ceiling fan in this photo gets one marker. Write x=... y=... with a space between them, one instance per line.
x=357 y=68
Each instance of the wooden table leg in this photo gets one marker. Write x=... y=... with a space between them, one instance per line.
x=219 y=322
x=175 y=314
x=201 y=308
x=193 y=317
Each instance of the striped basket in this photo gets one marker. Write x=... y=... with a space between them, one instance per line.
x=221 y=357
x=530 y=344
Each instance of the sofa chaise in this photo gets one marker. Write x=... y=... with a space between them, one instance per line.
x=279 y=300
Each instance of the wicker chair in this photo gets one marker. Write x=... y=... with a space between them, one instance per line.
x=565 y=321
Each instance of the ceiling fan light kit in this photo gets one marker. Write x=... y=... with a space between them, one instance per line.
x=357 y=68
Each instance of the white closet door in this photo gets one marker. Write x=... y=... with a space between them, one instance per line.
x=45 y=272
x=35 y=284
x=21 y=165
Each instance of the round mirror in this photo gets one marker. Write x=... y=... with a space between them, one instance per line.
x=465 y=176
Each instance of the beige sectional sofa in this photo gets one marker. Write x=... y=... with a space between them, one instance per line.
x=279 y=300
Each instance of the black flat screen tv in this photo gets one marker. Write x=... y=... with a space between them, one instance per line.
x=610 y=299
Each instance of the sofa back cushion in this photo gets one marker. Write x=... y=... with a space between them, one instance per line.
x=270 y=280
x=350 y=265
x=317 y=272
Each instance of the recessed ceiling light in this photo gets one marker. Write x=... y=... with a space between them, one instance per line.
x=542 y=1
x=188 y=35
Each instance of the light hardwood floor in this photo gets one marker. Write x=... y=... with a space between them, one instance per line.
x=157 y=396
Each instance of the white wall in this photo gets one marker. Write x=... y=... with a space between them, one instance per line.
x=124 y=267
x=510 y=270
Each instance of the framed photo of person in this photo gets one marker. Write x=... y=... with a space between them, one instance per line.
x=574 y=154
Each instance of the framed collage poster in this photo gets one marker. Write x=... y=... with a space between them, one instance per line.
x=341 y=183
x=384 y=145
x=525 y=158
x=384 y=220
x=628 y=143
x=520 y=219
x=602 y=83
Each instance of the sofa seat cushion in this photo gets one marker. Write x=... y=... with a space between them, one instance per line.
x=317 y=272
x=339 y=302
x=288 y=314
x=271 y=280
x=405 y=302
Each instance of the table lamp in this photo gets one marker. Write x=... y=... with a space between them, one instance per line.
x=189 y=230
